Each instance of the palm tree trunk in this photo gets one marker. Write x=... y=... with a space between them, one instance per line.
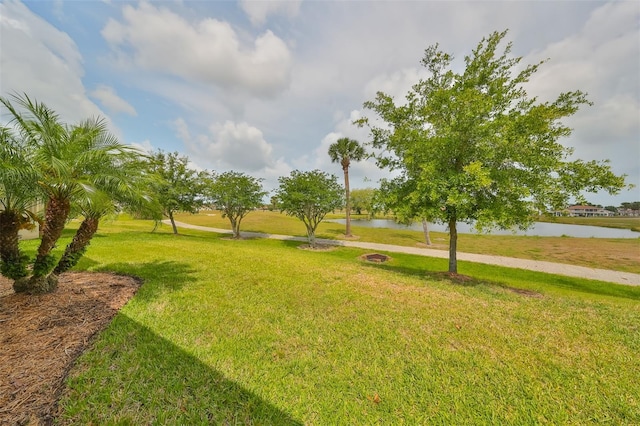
x=348 y=201
x=453 y=246
x=78 y=245
x=12 y=261
x=56 y=215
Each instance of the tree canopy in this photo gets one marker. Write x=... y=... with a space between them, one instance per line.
x=364 y=199
x=309 y=196
x=236 y=194
x=474 y=147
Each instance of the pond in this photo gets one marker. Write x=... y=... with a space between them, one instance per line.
x=541 y=229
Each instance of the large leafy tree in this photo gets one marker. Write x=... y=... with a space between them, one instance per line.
x=174 y=185
x=474 y=147
x=309 y=196
x=236 y=194
x=343 y=151
x=69 y=162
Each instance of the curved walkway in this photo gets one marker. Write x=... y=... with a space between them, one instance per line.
x=616 y=277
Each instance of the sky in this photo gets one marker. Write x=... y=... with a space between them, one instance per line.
x=265 y=87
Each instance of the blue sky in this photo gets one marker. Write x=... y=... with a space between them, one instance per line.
x=265 y=87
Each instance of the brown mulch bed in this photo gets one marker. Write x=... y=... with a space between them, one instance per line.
x=41 y=337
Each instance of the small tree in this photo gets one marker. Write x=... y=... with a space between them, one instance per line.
x=273 y=203
x=236 y=194
x=344 y=151
x=363 y=200
x=309 y=196
x=474 y=147
x=174 y=186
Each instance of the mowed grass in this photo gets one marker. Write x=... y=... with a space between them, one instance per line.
x=603 y=253
x=620 y=222
x=261 y=332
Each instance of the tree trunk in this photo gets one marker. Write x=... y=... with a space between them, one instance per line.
x=312 y=237
x=78 y=245
x=425 y=228
x=56 y=216
x=173 y=223
x=36 y=284
x=12 y=261
x=347 y=232
x=235 y=226
x=453 y=246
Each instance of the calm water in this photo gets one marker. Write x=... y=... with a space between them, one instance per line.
x=541 y=229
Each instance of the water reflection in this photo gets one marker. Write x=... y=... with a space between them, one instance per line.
x=541 y=229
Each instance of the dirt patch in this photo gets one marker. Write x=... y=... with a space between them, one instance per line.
x=456 y=278
x=375 y=257
x=41 y=337
x=528 y=293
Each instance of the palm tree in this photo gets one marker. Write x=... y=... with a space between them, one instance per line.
x=18 y=195
x=92 y=209
x=95 y=205
x=343 y=151
x=69 y=162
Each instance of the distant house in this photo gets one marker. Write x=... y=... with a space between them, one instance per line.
x=588 y=211
x=30 y=234
x=628 y=212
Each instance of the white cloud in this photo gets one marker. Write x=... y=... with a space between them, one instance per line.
x=43 y=62
x=58 y=9
x=111 y=101
x=259 y=10
x=396 y=84
x=230 y=145
x=144 y=146
x=602 y=60
x=209 y=51
x=234 y=146
x=363 y=173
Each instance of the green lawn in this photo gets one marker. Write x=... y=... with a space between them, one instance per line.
x=261 y=332
x=621 y=254
x=620 y=222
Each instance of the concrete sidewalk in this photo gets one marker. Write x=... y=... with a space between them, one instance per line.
x=616 y=277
